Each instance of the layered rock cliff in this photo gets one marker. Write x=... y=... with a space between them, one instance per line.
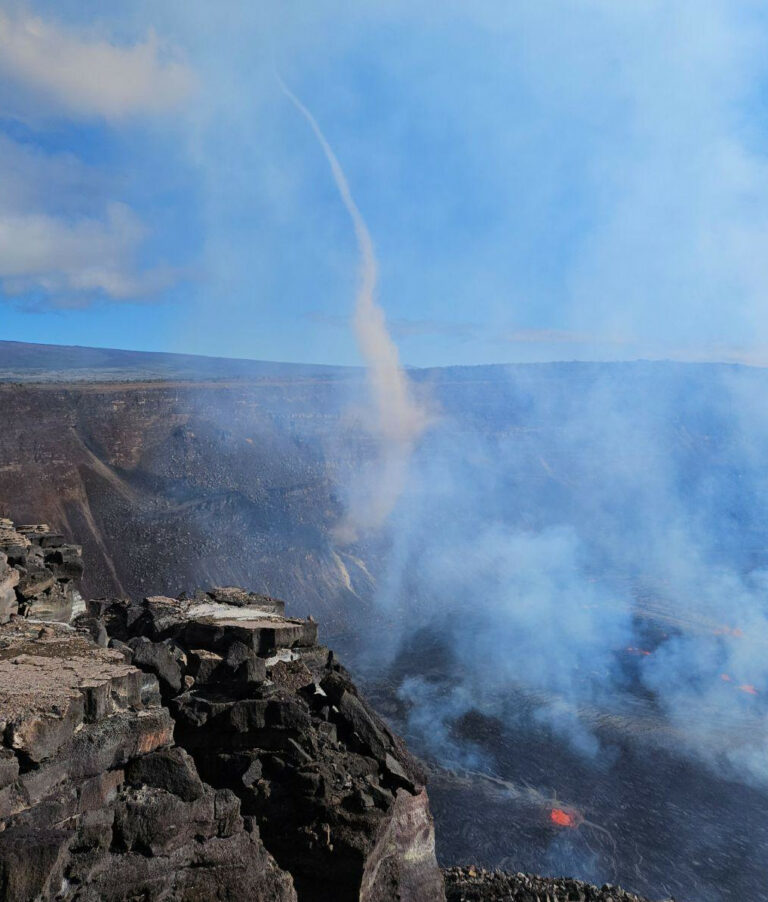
x=202 y=747
x=191 y=748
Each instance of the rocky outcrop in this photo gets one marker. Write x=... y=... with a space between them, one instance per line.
x=97 y=803
x=274 y=718
x=191 y=748
x=38 y=574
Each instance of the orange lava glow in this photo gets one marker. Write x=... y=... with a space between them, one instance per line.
x=743 y=687
x=749 y=689
x=637 y=651
x=561 y=818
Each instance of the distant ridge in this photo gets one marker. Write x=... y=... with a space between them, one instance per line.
x=27 y=362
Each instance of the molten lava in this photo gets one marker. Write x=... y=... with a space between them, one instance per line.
x=562 y=818
x=637 y=651
x=743 y=687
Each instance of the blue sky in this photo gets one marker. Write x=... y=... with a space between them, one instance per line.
x=543 y=179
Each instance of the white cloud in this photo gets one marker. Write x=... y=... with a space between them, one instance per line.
x=73 y=261
x=64 y=241
x=90 y=77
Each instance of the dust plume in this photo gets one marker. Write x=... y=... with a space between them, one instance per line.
x=398 y=418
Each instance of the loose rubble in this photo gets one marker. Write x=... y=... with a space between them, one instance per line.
x=471 y=884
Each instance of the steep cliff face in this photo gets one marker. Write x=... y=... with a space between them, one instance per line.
x=96 y=802
x=186 y=483
x=192 y=748
x=179 y=484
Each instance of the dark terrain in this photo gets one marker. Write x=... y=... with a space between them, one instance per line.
x=190 y=749
x=192 y=472
x=181 y=479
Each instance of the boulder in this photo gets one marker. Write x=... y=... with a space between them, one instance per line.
x=172 y=770
x=165 y=659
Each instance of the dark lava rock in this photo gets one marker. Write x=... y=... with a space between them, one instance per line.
x=170 y=769
x=38 y=573
x=192 y=748
x=271 y=717
x=96 y=801
x=165 y=659
x=470 y=884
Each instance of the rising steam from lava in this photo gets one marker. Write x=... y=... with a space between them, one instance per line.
x=399 y=419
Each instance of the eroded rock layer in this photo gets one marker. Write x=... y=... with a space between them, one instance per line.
x=271 y=716
x=192 y=748
x=96 y=801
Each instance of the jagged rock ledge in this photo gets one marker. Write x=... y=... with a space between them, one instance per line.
x=190 y=748
x=38 y=573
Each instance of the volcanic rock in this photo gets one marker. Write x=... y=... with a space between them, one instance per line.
x=273 y=718
x=191 y=748
x=96 y=802
x=171 y=769
x=470 y=884
x=37 y=574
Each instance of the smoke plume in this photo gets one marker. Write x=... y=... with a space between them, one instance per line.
x=571 y=533
x=398 y=418
x=576 y=599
